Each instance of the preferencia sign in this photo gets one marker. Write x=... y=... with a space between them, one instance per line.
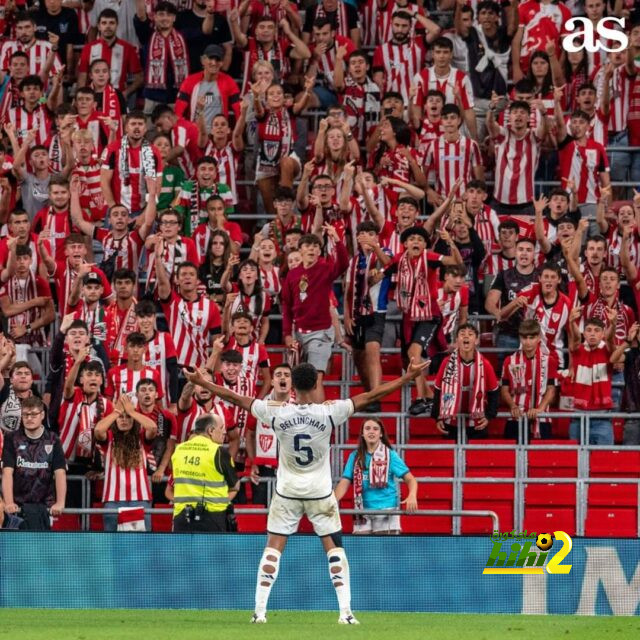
x=587 y=39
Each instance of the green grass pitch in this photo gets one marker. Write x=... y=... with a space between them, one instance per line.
x=46 y=624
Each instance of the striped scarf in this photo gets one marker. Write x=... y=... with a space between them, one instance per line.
x=414 y=297
x=163 y=50
x=539 y=378
x=451 y=395
x=378 y=476
x=22 y=290
x=147 y=162
x=357 y=284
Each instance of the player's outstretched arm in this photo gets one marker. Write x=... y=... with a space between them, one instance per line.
x=198 y=377
x=363 y=399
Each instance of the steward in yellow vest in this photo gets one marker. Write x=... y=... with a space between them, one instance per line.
x=204 y=478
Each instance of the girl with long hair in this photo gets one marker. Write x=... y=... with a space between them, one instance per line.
x=251 y=297
x=395 y=157
x=372 y=469
x=575 y=67
x=126 y=483
x=216 y=263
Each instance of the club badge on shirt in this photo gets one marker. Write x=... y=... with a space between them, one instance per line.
x=303 y=285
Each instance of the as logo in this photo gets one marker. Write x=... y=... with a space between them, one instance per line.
x=586 y=38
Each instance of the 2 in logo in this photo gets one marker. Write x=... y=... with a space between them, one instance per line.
x=586 y=37
x=523 y=560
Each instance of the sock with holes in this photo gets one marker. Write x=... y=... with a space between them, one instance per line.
x=267 y=574
x=339 y=574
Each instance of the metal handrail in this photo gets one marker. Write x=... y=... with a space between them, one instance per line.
x=473 y=513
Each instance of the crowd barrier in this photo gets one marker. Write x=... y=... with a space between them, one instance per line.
x=407 y=573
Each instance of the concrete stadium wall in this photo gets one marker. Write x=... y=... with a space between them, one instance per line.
x=408 y=573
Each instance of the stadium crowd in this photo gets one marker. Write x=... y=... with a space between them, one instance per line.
x=423 y=174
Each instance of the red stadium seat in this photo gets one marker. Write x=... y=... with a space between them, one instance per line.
x=552 y=518
x=612 y=510
x=496 y=497
x=162 y=521
x=564 y=495
x=391 y=364
x=423 y=429
x=66 y=522
x=614 y=463
x=490 y=462
x=248 y=522
x=430 y=496
x=431 y=462
x=549 y=462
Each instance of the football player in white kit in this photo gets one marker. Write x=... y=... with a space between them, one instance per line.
x=303 y=480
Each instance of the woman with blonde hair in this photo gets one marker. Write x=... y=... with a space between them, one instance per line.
x=372 y=469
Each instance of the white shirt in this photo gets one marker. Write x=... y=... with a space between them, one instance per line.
x=304 y=438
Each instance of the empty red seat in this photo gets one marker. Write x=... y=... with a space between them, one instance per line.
x=617 y=462
x=162 y=521
x=544 y=461
x=250 y=522
x=549 y=519
x=612 y=494
x=496 y=497
x=66 y=522
x=430 y=462
x=391 y=364
x=550 y=494
x=611 y=522
x=491 y=462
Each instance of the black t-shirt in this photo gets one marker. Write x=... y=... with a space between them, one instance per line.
x=510 y=282
x=190 y=26
x=490 y=79
x=64 y=24
x=224 y=465
x=34 y=463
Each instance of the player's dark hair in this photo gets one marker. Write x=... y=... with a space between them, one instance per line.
x=465 y=326
x=145 y=308
x=232 y=356
x=551 y=266
x=136 y=339
x=520 y=104
x=124 y=274
x=23 y=250
x=529 y=327
x=323 y=21
x=304 y=377
x=403 y=15
x=146 y=381
x=108 y=13
x=594 y=322
x=442 y=43
x=31 y=81
x=450 y=109
x=509 y=224
x=367 y=225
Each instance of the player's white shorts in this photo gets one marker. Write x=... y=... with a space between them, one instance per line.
x=378 y=524
x=285 y=515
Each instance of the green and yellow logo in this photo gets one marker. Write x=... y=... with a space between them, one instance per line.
x=521 y=559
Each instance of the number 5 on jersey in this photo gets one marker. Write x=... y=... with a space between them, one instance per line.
x=307 y=451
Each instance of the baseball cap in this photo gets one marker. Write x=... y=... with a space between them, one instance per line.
x=92 y=278
x=214 y=51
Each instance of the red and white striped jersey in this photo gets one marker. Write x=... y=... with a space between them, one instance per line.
x=254 y=357
x=227 y=158
x=159 y=350
x=598 y=127
x=494 y=264
x=121 y=380
x=271 y=282
x=516 y=164
x=183 y=250
x=59 y=225
x=37 y=52
x=394 y=164
x=450 y=304
x=99 y=132
x=125 y=485
x=191 y=325
x=187 y=419
x=371 y=17
x=428 y=131
x=121 y=56
x=524 y=382
x=614 y=245
x=400 y=63
x=38 y=119
x=185 y=134
x=91 y=195
x=35 y=254
x=452 y=160
x=128 y=249
x=596 y=307
x=583 y=164
x=486 y=223
x=327 y=62
x=427 y=80
x=64 y=277
x=552 y=318
x=619 y=96
x=77 y=419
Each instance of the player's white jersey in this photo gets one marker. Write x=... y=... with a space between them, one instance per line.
x=304 y=438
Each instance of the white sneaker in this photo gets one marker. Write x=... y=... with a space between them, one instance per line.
x=347 y=618
x=258 y=619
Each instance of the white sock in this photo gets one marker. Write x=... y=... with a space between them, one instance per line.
x=339 y=574
x=267 y=574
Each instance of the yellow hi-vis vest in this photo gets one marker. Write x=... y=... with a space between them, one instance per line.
x=195 y=477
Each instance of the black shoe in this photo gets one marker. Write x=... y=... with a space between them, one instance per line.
x=420 y=406
x=373 y=407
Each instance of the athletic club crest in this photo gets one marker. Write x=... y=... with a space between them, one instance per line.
x=266 y=441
